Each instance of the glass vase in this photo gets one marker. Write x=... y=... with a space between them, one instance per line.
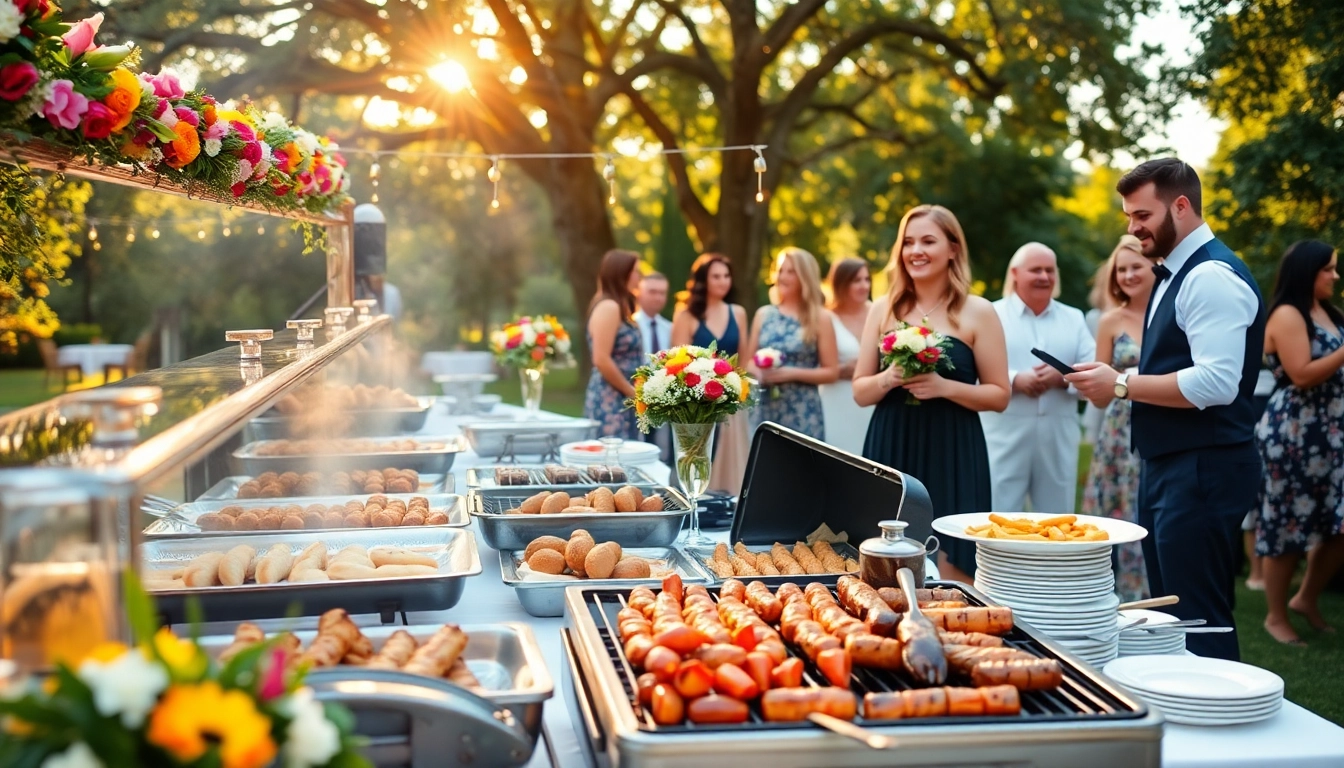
x=693 y=446
x=531 y=380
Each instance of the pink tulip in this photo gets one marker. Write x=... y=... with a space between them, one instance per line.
x=65 y=107
x=79 y=38
x=167 y=86
x=16 y=80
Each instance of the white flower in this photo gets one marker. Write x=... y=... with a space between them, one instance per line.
x=155 y=156
x=77 y=756
x=243 y=172
x=656 y=388
x=129 y=685
x=307 y=143
x=733 y=382
x=529 y=335
x=212 y=147
x=562 y=346
x=310 y=739
x=701 y=366
x=167 y=116
x=273 y=121
x=11 y=18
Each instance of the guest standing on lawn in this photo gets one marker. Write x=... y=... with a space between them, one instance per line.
x=616 y=345
x=1301 y=442
x=1193 y=416
x=939 y=440
x=796 y=323
x=1112 y=488
x=850 y=287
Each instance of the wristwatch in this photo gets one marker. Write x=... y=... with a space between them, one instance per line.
x=1122 y=386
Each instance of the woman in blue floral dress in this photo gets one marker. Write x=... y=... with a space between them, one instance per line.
x=797 y=324
x=1112 y=488
x=1301 y=439
x=616 y=346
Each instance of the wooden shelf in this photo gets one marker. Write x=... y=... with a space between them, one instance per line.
x=43 y=155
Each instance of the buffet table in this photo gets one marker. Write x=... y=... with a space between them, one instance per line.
x=92 y=357
x=1295 y=737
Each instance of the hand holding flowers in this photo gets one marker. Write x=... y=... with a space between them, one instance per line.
x=532 y=342
x=917 y=351
x=769 y=360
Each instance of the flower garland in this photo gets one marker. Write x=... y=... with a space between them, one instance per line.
x=58 y=85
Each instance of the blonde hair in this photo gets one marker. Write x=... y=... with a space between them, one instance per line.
x=1010 y=282
x=1116 y=295
x=809 y=288
x=901 y=290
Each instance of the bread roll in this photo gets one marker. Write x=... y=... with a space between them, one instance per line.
x=275 y=565
x=602 y=500
x=653 y=503
x=400 y=556
x=627 y=499
x=301 y=575
x=203 y=571
x=234 y=566
x=633 y=568
x=547 y=561
x=580 y=542
x=532 y=504
x=601 y=560
x=436 y=518
x=556 y=502
x=545 y=542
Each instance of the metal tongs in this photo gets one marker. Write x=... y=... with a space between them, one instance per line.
x=164 y=509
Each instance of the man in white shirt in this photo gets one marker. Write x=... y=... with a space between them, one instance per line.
x=1193 y=415
x=656 y=331
x=1033 y=444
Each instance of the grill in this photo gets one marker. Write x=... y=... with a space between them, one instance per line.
x=1052 y=729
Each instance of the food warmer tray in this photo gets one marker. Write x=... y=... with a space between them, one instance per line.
x=227 y=489
x=526 y=437
x=374 y=422
x=1087 y=721
x=180 y=521
x=504 y=657
x=484 y=477
x=629 y=529
x=432 y=461
x=454 y=548
x=545 y=598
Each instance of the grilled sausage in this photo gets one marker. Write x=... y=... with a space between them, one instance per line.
x=765 y=604
x=794 y=704
x=970 y=638
x=1023 y=674
x=993 y=620
x=940 y=702
x=734 y=589
x=717 y=709
x=863 y=601
x=874 y=651
x=895 y=598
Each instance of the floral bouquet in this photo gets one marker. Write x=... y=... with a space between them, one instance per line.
x=165 y=702
x=915 y=349
x=532 y=343
x=766 y=358
x=689 y=385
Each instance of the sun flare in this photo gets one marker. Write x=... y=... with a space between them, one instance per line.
x=451 y=75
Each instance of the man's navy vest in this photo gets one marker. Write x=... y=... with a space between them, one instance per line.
x=1158 y=430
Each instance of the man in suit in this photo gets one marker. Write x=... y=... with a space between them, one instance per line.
x=1194 y=414
x=656 y=331
x=1033 y=445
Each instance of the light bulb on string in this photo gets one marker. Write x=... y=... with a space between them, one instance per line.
x=93 y=233
x=97 y=246
x=227 y=230
x=424 y=169
x=374 y=170
x=759 y=166
x=200 y=234
x=609 y=173
x=261 y=229
x=154 y=233
x=494 y=175
x=130 y=235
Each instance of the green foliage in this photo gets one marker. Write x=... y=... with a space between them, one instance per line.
x=38 y=223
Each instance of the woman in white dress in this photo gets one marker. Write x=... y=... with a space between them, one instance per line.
x=848 y=285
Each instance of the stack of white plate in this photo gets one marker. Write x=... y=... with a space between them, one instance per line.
x=1139 y=643
x=1193 y=690
x=633 y=453
x=1069 y=596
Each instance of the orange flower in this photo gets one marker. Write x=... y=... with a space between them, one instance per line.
x=746 y=389
x=538 y=353
x=124 y=98
x=188 y=714
x=185 y=147
x=641 y=407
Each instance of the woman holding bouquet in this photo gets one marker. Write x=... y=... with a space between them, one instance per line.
x=797 y=324
x=927 y=424
x=616 y=346
x=706 y=314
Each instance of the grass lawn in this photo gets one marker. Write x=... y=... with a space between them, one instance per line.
x=20 y=387
x=562 y=392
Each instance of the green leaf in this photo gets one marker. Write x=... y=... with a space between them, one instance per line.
x=140 y=612
x=160 y=130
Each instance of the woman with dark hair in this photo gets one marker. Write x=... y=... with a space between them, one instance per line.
x=849 y=286
x=616 y=346
x=1302 y=502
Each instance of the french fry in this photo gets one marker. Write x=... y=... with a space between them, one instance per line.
x=1060 y=528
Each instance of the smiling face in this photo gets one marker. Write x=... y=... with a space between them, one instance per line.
x=1154 y=222
x=1326 y=279
x=1134 y=274
x=926 y=250
x=1035 y=277
x=718 y=281
x=861 y=287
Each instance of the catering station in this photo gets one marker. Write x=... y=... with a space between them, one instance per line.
x=477 y=597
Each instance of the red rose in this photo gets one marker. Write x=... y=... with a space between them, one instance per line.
x=722 y=367
x=713 y=389
x=16 y=80
x=541 y=339
x=928 y=356
x=28 y=6
x=239 y=189
x=99 y=121
x=692 y=379
x=923 y=331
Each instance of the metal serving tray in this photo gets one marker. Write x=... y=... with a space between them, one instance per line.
x=1087 y=721
x=484 y=477
x=454 y=548
x=377 y=422
x=227 y=489
x=843 y=549
x=438 y=460
x=526 y=437
x=545 y=599
x=181 y=520
x=629 y=529
x=504 y=657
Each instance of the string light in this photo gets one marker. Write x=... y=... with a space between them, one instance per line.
x=261 y=229
x=424 y=169
x=154 y=233
x=227 y=230
x=374 y=170
x=93 y=233
x=494 y=175
x=97 y=246
x=200 y=234
x=609 y=173
x=759 y=165
x=130 y=235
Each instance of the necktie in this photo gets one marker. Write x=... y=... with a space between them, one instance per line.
x=1161 y=271
x=654 y=346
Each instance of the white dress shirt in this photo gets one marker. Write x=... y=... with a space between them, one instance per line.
x=1060 y=330
x=1214 y=307
x=647 y=326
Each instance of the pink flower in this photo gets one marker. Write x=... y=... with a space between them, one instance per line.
x=252 y=152
x=713 y=389
x=144 y=137
x=722 y=367
x=513 y=342
x=64 y=107
x=80 y=36
x=923 y=331
x=888 y=342
x=217 y=131
x=244 y=131
x=16 y=80
x=273 y=683
x=928 y=356
x=692 y=379
x=29 y=6
x=98 y=121
x=167 y=86
x=189 y=116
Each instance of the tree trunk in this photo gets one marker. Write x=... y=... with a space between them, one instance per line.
x=580 y=218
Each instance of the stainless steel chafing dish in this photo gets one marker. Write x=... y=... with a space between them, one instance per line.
x=375 y=422
x=180 y=521
x=227 y=488
x=1088 y=721
x=526 y=437
x=432 y=455
x=546 y=597
x=629 y=529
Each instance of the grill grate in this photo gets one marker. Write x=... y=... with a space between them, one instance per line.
x=1081 y=697
x=497 y=501
x=484 y=477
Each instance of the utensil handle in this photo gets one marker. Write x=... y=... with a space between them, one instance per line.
x=850 y=730
x=1152 y=602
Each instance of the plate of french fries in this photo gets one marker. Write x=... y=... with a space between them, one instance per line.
x=1039 y=532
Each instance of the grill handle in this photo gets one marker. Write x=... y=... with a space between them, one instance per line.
x=591 y=728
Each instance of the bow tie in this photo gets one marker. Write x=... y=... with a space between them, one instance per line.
x=1161 y=271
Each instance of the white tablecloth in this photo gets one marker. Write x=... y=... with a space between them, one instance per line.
x=1295 y=738
x=434 y=363
x=92 y=357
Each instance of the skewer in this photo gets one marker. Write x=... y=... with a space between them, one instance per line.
x=1152 y=602
x=852 y=731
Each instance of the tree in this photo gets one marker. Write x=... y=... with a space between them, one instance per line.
x=1275 y=70
x=806 y=78
x=40 y=219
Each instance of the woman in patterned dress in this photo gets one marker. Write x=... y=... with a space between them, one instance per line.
x=797 y=324
x=1112 y=488
x=1301 y=439
x=616 y=346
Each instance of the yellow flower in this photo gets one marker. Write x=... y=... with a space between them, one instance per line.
x=124 y=98
x=746 y=389
x=189 y=714
x=105 y=652
x=183 y=659
x=233 y=114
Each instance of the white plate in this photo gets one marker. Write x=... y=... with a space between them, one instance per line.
x=1208 y=720
x=632 y=452
x=1084 y=559
x=1105 y=583
x=1153 y=617
x=1120 y=531
x=1199 y=707
x=1196 y=677
x=1060 y=601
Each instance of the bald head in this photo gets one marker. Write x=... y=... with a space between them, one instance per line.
x=1033 y=275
